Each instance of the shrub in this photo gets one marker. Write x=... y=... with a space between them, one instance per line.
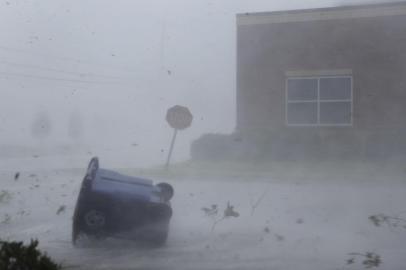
x=17 y=256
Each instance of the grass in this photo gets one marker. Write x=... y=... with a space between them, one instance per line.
x=371 y=171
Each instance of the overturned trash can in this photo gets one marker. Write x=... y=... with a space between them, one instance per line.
x=115 y=205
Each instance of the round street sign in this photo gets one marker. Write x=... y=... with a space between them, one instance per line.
x=179 y=117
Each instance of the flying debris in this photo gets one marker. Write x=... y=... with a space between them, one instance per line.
x=61 y=209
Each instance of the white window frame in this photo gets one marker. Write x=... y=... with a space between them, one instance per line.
x=318 y=101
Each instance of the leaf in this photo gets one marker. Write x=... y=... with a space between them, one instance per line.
x=61 y=209
x=210 y=211
x=279 y=237
x=229 y=211
x=5 y=196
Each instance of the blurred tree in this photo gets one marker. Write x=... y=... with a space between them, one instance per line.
x=41 y=126
x=75 y=126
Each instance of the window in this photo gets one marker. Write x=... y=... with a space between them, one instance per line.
x=319 y=101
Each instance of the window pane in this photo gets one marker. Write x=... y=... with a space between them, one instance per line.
x=302 y=113
x=302 y=89
x=335 y=88
x=335 y=112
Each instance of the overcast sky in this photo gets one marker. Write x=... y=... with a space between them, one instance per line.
x=119 y=64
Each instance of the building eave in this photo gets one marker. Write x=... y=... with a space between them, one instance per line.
x=320 y=14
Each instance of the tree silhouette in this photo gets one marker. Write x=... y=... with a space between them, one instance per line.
x=41 y=126
x=75 y=126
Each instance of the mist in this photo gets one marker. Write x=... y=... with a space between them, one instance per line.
x=119 y=68
x=80 y=79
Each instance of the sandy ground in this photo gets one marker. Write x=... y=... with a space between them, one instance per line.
x=308 y=224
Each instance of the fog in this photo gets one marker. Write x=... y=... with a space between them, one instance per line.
x=80 y=79
x=118 y=67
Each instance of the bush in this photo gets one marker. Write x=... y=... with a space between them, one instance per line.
x=17 y=256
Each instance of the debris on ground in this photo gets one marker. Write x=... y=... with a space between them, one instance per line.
x=369 y=259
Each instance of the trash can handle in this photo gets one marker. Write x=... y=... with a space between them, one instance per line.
x=92 y=168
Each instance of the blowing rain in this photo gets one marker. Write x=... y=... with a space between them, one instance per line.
x=202 y=134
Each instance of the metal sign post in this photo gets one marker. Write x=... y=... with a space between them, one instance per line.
x=171 y=148
x=179 y=118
